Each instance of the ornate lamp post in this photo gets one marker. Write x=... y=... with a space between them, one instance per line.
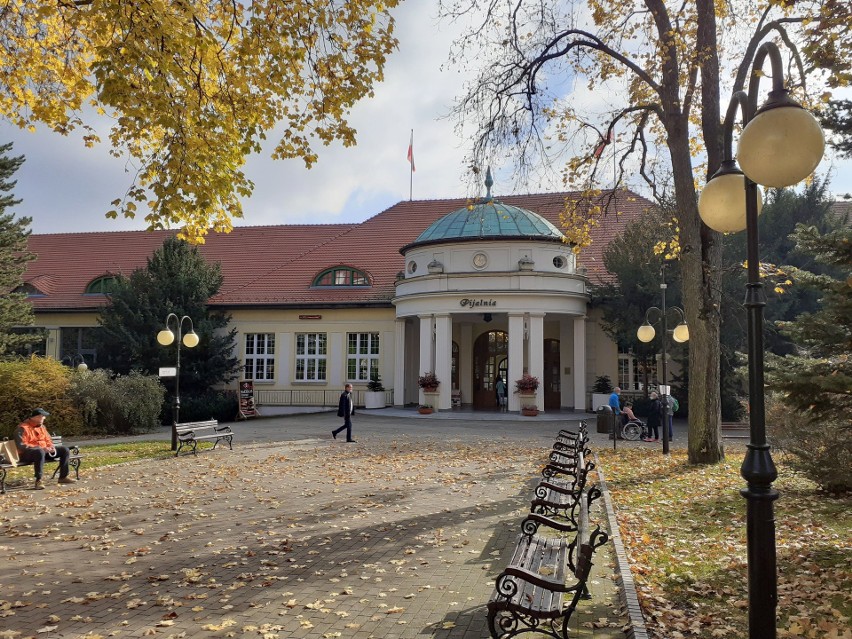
x=76 y=360
x=165 y=337
x=780 y=145
x=680 y=334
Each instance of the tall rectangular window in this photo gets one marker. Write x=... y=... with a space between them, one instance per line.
x=311 y=352
x=362 y=356
x=259 y=362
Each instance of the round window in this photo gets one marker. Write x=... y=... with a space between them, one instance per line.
x=412 y=266
x=559 y=261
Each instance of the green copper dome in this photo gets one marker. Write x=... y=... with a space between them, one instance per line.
x=489 y=219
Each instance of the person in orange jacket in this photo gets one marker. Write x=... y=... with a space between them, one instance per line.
x=35 y=445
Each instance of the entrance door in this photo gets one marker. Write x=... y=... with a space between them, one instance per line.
x=552 y=378
x=490 y=357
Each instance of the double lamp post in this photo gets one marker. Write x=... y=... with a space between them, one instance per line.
x=680 y=334
x=781 y=145
x=166 y=337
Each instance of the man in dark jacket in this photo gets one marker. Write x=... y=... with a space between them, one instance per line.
x=345 y=409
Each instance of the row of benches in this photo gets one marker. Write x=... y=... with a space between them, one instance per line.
x=530 y=593
x=189 y=435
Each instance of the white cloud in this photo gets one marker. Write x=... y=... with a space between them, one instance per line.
x=66 y=187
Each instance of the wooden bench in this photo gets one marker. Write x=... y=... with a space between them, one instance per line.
x=191 y=433
x=74 y=460
x=529 y=594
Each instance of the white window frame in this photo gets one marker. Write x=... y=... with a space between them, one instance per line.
x=363 y=351
x=311 y=363
x=259 y=357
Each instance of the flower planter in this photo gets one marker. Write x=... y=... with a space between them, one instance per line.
x=529 y=412
x=374 y=399
x=430 y=389
x=425 y=411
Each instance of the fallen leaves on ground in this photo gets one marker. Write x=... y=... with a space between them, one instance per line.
x=684 y=531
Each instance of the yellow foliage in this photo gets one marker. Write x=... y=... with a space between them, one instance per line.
x=192 y=88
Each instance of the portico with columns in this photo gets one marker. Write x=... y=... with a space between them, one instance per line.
x=491 y=290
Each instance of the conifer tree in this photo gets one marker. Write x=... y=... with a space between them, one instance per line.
x=176 y=280
x=15 y=311
x=817 y=379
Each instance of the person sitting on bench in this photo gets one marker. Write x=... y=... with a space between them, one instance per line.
x=35 y=444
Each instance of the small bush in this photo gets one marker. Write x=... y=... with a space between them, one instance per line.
x=37 y=382
x=117 y=404
x=214 y=404
x=603 y=384
x=819 y=449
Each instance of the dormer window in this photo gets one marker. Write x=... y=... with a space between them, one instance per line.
x=342 y=276
x=29 y=290
x=102 y=286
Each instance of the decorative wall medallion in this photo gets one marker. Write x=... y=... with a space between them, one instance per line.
x=412 y=266
x=480 y=260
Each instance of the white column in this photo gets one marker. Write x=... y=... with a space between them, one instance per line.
x=443 y=359
x=336 y=360
x=399 y=362
x=466 y=362
x=536 y=354
x=426 y=364
x=580 y=364
x=516 y=357
x=566 y=361
x=284 y=343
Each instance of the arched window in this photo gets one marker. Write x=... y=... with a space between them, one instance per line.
x=342 y=276
x=102 y=285
x=29 y=290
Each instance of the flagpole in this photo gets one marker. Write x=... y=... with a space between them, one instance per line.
x=411 y=167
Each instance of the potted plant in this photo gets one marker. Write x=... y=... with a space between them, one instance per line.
x=428 y=382
x=374 y=396
x=527 y=385
x=529 y=411
x=601 y=391
x=425 y=409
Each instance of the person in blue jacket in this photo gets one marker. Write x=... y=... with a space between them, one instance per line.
x=615 y=402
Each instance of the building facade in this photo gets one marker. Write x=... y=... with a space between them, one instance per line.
x=469 y=290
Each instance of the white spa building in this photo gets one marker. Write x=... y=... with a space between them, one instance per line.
x=468 y=290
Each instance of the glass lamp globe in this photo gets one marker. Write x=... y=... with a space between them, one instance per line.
x=781 y=146
x=722 y=203
x=645 y=333
x=82 y=366
x=681 y=333
x=190 y=340
x=165 y=337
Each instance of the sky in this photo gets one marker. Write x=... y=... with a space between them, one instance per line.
x=65 y=187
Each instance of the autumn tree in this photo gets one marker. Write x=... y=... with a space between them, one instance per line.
x=660 y=72
x=15 y=311
x=192 y=88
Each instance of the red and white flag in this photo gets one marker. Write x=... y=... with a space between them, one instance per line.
x=599 y=149
x=411 y=152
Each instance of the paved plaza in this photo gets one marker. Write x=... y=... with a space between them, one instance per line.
x=291 y=534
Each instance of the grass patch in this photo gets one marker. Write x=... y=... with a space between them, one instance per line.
x=101 y=455
x=684 y=529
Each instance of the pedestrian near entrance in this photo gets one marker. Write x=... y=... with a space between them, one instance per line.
x=345 y=409
x=654 y=419
x=615 y=401
x=500 y=388
x=35 y=445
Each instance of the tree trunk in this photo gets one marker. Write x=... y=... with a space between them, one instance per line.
x=700 y=259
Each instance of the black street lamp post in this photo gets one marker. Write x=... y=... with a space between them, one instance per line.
x=680 y=334
x=780 y=145
x=165 y=337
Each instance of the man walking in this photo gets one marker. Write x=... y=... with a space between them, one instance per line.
x=34 y=444
x=345 y=409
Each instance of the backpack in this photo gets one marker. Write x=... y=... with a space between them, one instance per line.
x=675 y=405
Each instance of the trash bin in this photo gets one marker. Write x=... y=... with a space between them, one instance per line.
x=605 y=419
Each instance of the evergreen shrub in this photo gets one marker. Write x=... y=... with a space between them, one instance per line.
x=215 y=404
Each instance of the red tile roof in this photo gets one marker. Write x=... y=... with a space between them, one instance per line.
x=276 y=265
